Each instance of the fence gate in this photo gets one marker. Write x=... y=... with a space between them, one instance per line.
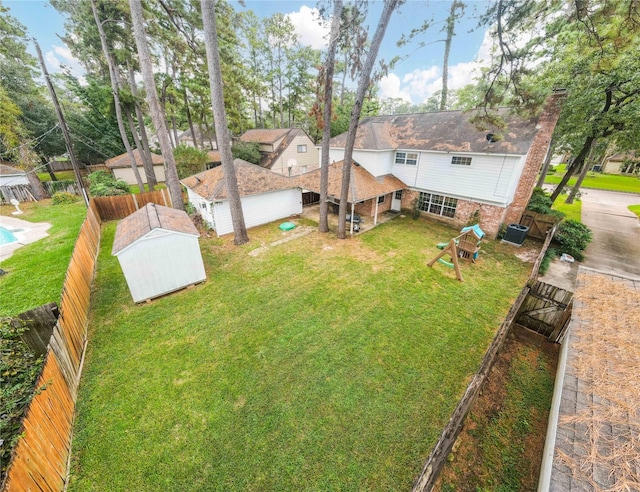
x=539 y=224
x=546 y=310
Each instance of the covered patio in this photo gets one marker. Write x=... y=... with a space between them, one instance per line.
x=370 y=199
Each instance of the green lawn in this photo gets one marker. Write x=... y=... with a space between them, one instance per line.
x=317 y=365
x=635 y=209
x=571 y=212
x=36 y=271
x=61 y=175
x=612 y=182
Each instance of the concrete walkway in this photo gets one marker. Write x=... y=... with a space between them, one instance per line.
x=615 y=248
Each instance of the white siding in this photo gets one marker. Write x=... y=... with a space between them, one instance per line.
x=377 y=162
x=259 y=209
x=489 y=178
x=202 y=206
x=161 y=262
x=126 y=174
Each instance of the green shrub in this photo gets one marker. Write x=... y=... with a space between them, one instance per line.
x=19 y=370
x=189 y=160
x=62 y=197
x=573 y=237
x=247 y=151
x=549 y=256
x=102 y=183
x=61 y=184
x=541 y=203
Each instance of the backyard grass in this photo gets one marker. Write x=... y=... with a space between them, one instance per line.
x=61 y=175
x=318 y=364
x=611 y=182
x=635 y=209
x=35 y=272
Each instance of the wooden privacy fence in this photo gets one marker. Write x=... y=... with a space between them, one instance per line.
x=38 y=324
x=40 y=458
x=546 y=310
x=438 y=457
x=119 y=207
x=539 y=224
x=21 y=192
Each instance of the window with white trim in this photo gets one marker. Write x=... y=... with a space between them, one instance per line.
x=381 y=199
x=409 y=158
x=302 y=149
x=437 y=204
x=460 y=160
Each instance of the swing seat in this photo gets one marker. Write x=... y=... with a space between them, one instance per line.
x=445 y=262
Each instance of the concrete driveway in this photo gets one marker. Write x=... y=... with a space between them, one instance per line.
x=615 y=248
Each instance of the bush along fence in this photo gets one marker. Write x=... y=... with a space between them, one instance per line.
x=40 y=460
x=438 y=457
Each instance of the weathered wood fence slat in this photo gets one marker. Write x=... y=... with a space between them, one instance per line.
x=40 y=458
x=539 y=224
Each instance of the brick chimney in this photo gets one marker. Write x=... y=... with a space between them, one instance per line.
x=535 y=156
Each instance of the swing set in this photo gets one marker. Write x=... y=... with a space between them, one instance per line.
x=466 y=246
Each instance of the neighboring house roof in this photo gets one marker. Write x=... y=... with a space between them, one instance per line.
x=252 y=180
x=270 y=136
x=148 y=218
x=445 y=131
x=214 y=156
x=199 y=134
x=7 y=170
x=362 y=186
x=123 y=160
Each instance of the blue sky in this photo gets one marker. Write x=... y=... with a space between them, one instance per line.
x=414 y=79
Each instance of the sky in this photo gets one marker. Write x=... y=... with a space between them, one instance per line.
x=414 y=79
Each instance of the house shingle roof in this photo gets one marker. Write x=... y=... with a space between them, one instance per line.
x=252 y=180
x=362 y=186
x=123 y=160
x=445 y=131
x=6 y=169
x=148 y=218
x=264 y=135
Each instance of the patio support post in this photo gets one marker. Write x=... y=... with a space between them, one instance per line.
x=375 y=216
x=353 y=206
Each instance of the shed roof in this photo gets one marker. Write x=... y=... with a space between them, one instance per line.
x=252 y=180
x=7 y=170
x=148 y=218
x=444 y=131
x=362 y=186
x=123 y=160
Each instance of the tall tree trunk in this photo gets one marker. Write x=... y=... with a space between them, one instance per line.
x=451 y=24
x=147 y=162
x=47 y=166
x=326 y=128
x=136 y=140
x=27 y=159
x=146 y=68
x=575 y=165
x=545 y=165
x=116 y=96
x=583 y=174
x=189 y=119
x=363 y=85
x=220 y=120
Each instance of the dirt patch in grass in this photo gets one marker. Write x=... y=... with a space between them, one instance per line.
x=500 y=447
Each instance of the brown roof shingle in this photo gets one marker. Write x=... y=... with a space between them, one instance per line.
x=148 y=218
x=264 y=135
x=362 y=186
x=123 y=160
x=445 y=131
x=252 y=180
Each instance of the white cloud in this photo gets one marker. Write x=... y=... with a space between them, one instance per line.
x=420 y=84
x=390 y=88
x=61 y=55
x=311 y=30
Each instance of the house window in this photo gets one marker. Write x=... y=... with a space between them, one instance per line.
x=409 y=158
x=302 y=149
x=461 y=160
x=381 y=198
x=437 y=204
x=398 y=195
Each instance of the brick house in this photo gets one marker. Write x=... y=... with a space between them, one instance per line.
x=450 y=168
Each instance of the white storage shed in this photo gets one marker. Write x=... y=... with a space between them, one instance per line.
x=158 y=251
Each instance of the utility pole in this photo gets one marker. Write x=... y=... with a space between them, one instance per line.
x=63 y=126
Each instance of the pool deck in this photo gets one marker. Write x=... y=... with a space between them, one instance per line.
x=26 y=233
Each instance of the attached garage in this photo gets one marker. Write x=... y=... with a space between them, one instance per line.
x=158 y=250
x=265 y=196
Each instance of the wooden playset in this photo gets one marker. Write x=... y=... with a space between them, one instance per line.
x=465 y=246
